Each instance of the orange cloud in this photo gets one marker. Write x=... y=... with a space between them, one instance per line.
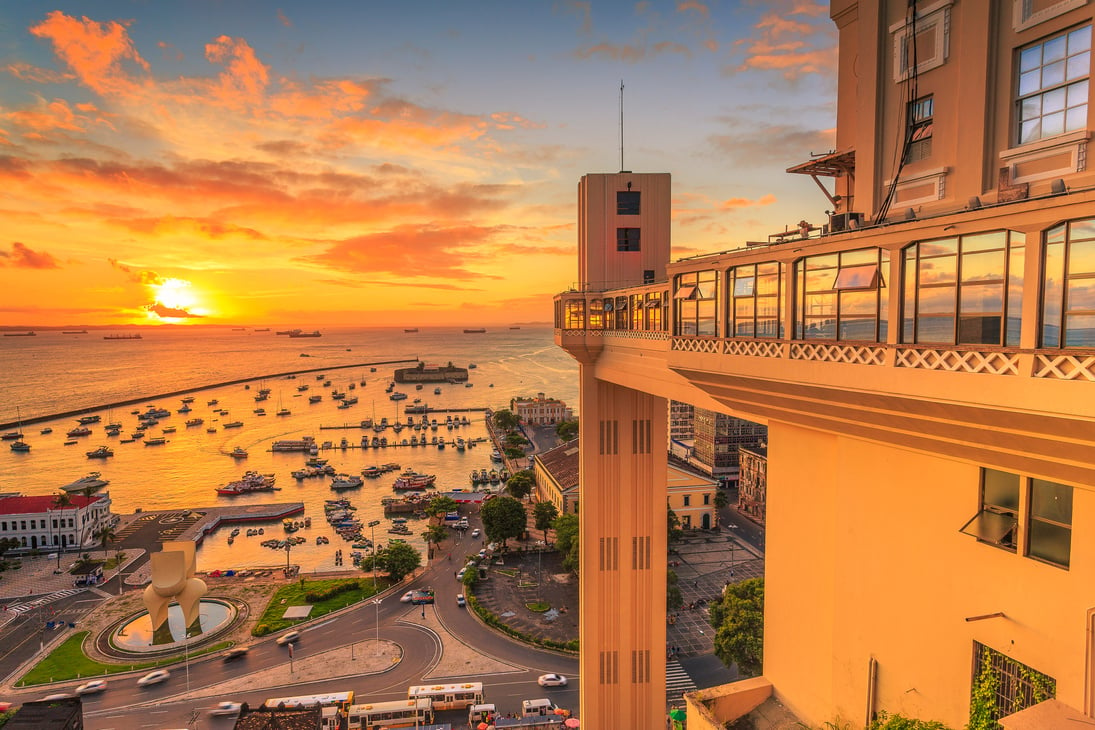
x=22 y=257
x=149 y=278
x=284 y=20
x=245 y=77
x=736 y=203
x=685 y=6
x=170 y=312
x=37 y=75
x=98 y=53
x=56 y=114
x=794 y=38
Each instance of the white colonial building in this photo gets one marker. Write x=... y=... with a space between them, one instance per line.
x=540 y=410
x=38 y=523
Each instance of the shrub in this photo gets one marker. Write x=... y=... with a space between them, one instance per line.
x=886 y=721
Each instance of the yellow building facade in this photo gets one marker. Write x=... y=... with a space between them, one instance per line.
x=925 y=364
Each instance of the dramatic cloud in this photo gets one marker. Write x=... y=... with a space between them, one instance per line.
x=793 y=38
x=21 y=257
x=170 y=312
x=98 y=53
x=148 y=278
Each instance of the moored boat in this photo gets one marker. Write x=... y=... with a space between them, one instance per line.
x=91 y=481
x=100 y=453
x=252 y=481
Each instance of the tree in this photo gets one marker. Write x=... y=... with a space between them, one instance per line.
x=738 y=620
x=721 y=499
x=566 y=540
x=435 y=535
x=440 y=506
x=398 y=560
x=545 y=514
x=567 y=430
x=520 y=484
x=506 y=420
x=675 y=531
x=515 y=440
x=60 y=501
x=503 y=518
x=673 y=598
x=105 y=535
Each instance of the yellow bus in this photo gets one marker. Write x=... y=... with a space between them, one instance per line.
x=374 y=715
x=449 y=696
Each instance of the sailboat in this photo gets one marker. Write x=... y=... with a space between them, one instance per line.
x=19 y=445
x=282 y=410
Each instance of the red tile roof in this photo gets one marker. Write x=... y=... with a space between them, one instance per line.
x=39 y=504
x=562 y=464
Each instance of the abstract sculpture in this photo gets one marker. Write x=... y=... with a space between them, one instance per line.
x=173 y=580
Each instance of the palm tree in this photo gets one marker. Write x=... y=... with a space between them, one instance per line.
x=60 y=501
x=105 y=535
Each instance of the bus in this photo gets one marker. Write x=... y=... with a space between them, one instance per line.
x=338 y=700
x=374 y=715
x=449 y=696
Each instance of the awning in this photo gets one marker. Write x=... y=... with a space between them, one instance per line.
x=833 y=164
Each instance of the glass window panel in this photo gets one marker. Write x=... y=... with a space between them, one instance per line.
x=938 y=247
x=1078 y=66
x=1079 y=39
x=767 y=285
x=936 y=329
x=979 y=330
x=820 y=329
x=992 y=527
x=859 y=329
x=1054 y=49
x=985 y=241
x=821 y=305
x=1053 y=74
x=1016 y=259
x=1080 y=330
x=743 y=328
x=744 y=286
x=1076 y=119
x=1081 y=257
x=685 y=292
x=768 y=306
x=743 y=309
x=1030 y=131
x=1053 y=101
x=937 y=300
x=1080 y=296
x=1051 y=501
x=706 y=290
x=983 y=266
x=1053 y=124
x=1030 y=58
x=1076 y=94
x=768 y=269
x=767 y=327
x=857 y=277
x=1030 y=108
x=1052 y=294
x=1079 y=230
x=982 y=299
x=817 y=281
x=1051 y=543
x=859 y=256
x=938 y=270
x=1000 y=489
x=859 y=302
x=829 y=261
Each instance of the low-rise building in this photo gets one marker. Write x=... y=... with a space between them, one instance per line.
x=753 y=482
x=556 y=474
x=540 y=410
x=39 y=523
x=692 y=498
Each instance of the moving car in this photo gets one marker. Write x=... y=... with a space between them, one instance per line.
x=475 y=532
x=288 y=638
x=58 y=696
x=160 y=675
x=460 y=573
x=460 y=600
x=237 y=653
x=420 y=597
x=226 y=708
x=406 y=597
x=551 y=680
x=89 y=688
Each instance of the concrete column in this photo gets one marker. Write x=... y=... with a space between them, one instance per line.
x=622 y=514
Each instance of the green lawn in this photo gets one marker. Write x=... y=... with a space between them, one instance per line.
x=68 y=662
x=293 y=594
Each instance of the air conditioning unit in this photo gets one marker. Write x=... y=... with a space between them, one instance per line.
x=845 y=221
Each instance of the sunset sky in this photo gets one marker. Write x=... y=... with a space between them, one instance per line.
x=373 y=163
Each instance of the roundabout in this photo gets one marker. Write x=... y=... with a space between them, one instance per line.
x=131 y=636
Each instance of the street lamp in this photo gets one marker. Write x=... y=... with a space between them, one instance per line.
x=372 y=539
x=376 y=602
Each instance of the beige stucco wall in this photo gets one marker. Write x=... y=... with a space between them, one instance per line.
x=872 y=564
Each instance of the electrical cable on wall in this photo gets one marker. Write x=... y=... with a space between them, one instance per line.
x=911 y=94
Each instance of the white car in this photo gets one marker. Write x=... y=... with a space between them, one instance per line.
x=160 y=675
x=58 y=696
x=288 y=638
x=460 y=573
x=92 y=687
x=406 y=597
x=551 y=680
x=226 y=708
x=475 y=532
x=460 y=601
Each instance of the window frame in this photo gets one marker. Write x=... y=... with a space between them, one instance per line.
x=919 y=129
x=628 y=239
x=824 y=311
x=695 y=304
x=1045 y=90
x=1042 y=521
x=995 y=517
x=1055 y=308
x=628 y=202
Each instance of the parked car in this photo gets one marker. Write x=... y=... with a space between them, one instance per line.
x=460 y=600
x=226 y=708
x=236 y=653
x=460 y=573
x=160 y=675
x=92 y=687
x=289 y=638
x=551 y=680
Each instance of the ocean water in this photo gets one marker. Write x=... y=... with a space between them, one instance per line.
x=54 y=373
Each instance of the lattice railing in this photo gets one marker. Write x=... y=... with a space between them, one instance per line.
x=689 y=344
x=1065 y=367
x=634 y=334
x=753 y=348
x=831 y=352
x=958 y=361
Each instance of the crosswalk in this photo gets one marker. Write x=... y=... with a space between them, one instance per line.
x=48 y=598
x=677 y=681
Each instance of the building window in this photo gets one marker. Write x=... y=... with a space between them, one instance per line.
x=966 y=290
x=575 y=314
x=922 y=43
x=655 y=304
x=627 y=239
x=707 y=499
x=1049 y=536
x=696 y=298
x=596 y=314
x=998 y=517
x=919 y=129
x=22 y=524
x=1028 y=13
x=842 y=296
x=755 y=300
x=1017 y=686
x=1068 y=286
x=687 y=500
x=1053 y=85
x=627 y=202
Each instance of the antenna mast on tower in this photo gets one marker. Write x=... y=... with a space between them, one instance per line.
x=621 y=125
